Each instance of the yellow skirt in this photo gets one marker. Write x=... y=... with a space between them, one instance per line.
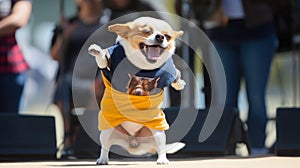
x=117 y=107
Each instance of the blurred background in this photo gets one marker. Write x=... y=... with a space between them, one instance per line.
x=35 y=41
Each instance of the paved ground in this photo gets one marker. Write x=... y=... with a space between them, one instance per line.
x=219 y=162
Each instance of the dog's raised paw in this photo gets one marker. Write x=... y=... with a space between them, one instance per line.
x=95 y=50
x=178 y=85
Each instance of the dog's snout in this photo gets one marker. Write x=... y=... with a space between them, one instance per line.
x=139 y=92
x=159 y=38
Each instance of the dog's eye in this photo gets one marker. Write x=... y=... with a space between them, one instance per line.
x=147 y=31
x=167 y=37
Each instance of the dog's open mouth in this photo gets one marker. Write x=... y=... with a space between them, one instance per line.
x=151 y=52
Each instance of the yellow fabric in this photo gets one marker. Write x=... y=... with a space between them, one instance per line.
x=117 y=107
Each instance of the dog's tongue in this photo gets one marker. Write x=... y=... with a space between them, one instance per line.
x=153 y=53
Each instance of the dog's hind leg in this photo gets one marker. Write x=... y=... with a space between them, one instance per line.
x=105 y=145
x=160 y=140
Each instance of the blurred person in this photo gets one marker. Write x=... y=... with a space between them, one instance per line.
x=244 y=35
x=68 y=39
x=14 y=14
x=118 y=8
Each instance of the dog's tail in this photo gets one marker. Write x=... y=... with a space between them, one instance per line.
x=174 y=147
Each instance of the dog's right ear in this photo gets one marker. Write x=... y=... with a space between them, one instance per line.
x=120 y=29
x=130 y=75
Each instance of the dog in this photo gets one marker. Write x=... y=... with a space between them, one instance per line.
x=144 y=47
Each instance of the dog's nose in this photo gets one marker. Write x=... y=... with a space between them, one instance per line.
x=138 y=92
x=159 y=38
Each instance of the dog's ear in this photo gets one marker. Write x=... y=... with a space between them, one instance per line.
x=129 y=81
x=154 y=83
x=120 y=29
x=132 y=80
x=178 y=33
x=130 y=75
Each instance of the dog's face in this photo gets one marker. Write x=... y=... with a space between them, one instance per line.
x=141 y=86
x=148 y=42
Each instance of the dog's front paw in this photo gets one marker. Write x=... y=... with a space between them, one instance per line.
x=100 y=55
x=162 y=161
x=179 y=84
x=95 y=50
x=102 y=161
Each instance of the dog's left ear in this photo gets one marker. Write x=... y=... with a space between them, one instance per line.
x=120 y=29
x=154 y=83
x=178 y=33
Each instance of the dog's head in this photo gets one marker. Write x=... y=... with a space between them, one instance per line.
x=141 y=86
x=148 y=42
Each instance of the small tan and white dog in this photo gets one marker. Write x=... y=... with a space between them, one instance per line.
x=148 y=44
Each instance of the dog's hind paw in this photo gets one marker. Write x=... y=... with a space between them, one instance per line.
x=101 y=161
x=162 y=161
